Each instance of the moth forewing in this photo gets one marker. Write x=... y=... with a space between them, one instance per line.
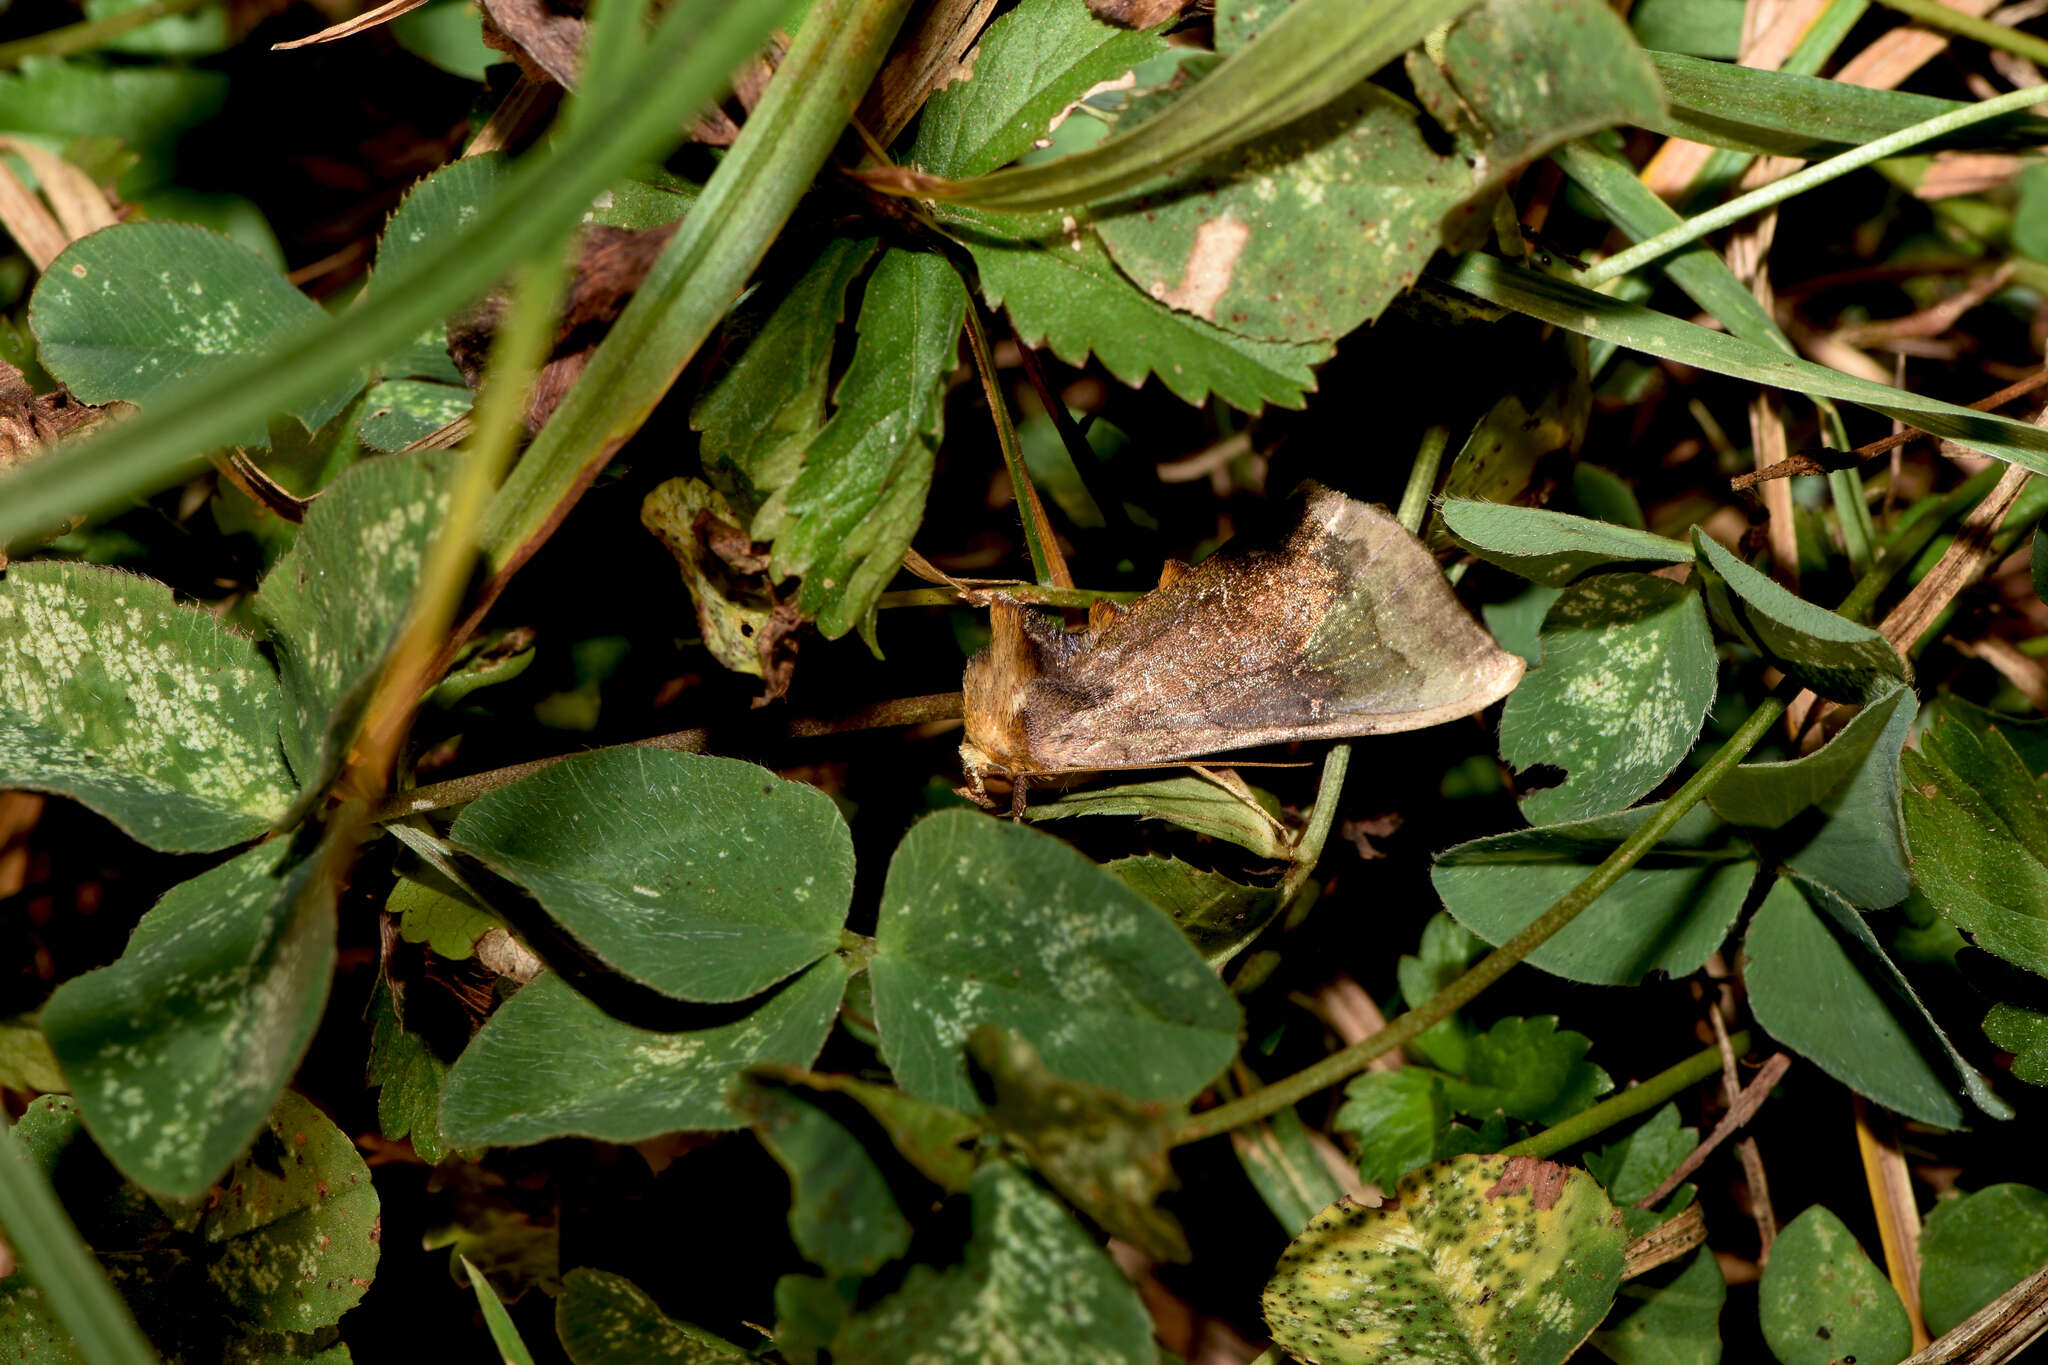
x=1339 y=625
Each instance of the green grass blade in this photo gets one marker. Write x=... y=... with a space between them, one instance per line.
x=79 y=1295
x=697 y=45
x=1308 y=55
x=1735 y=210
x=1643 y=329
x=1701 y=273
x=1991 y=33
x=504 y=1335
x=729 y=229
x=1815 y=48
x=1779 y=113
x=1635 y=208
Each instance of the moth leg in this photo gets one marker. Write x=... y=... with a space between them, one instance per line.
x=974 y=765
x=1017 y=786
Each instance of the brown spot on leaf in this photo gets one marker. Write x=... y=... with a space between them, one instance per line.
x=1544 y=1180
x=1205 y=277
x=1136 y=13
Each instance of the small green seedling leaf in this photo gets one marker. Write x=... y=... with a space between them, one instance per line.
x=135 y=310
x=2024 y=1033
x=1668 y=913
x=1978 y=1246
x=408 y=1077
x=26 y=1062
x=1519 y=1068
x=1668 y=1319
x=845 y=520
x=1822 y=1301
x=1475 y=1248
x=984 y=922
x=1397 y=1117
x=1106 y=1153
x=1527 y=1069
x=1191 y=802
x=1218 y=915
x=1631 y=1168
x=335 y=604
x=447 y=925
x=1834 y=656
x=1552 y=548
x=1625 y=683
x=1812 y=996
x=1977 y=827
x=1837 y=809
x=1033 y=1286
x=841 y=1215
x=705 y=878
x=605 y=1319
x=157 y=716
x=178 y=1051
x=550 y=1064
x=764 y=409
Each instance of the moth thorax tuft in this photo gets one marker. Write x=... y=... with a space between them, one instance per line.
x=995 y=685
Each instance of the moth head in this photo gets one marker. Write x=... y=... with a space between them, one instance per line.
x=997 y=681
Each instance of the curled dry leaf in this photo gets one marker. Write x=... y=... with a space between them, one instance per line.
x=610 y=265
x=30 y=421
x=545 y=41
x=1136 y=13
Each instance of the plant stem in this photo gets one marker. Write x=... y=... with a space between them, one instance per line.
x=1735 y=210
x=1935 y=15
x=1309 y=850
x=1021 y=592
x=1639 y=1099
x=1350 y=1061
x=1422 y=479
x=1047 y=564
x=93 y=33
x=425 y=650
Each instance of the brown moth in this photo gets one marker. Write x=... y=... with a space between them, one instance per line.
x=1339 y=625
